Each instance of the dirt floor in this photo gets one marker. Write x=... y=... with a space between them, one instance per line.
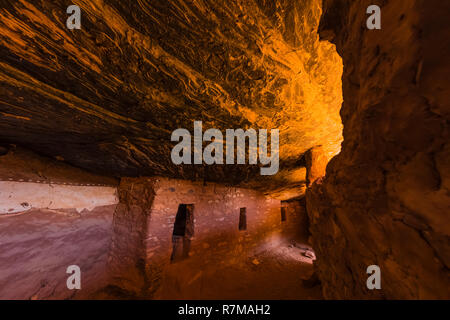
x=276 y=272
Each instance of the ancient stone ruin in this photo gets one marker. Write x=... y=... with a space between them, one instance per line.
x=356 y=118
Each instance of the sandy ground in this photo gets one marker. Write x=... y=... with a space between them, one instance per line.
x=275 y=272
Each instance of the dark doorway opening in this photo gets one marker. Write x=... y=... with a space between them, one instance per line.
x=183 y=231
x=243 y=219
x=283 y=214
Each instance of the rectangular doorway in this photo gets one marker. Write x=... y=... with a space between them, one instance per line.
x=183 y=231
x=243 y=219
x=283 y=214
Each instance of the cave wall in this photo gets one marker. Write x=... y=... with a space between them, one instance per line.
x=148 y=248
x=385 y=198
x=127 y=254
x=17 y=197
x=297 y=222
x=29 y=181
x=316 y=162
x=216 y=218
x=37 y=247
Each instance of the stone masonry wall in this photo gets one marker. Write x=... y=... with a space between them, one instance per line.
x=216 y=227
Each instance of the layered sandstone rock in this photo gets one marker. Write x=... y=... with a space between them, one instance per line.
x=37 y=247
x=385 y=199
x=108 y=96
x=146 y=235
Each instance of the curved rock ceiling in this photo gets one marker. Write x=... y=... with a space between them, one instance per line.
x=107 y=97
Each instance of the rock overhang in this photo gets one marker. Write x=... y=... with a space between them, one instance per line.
x=107 y=97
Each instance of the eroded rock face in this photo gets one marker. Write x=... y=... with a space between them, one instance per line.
x=316 y=164
x=107 y=97
x=385 y=199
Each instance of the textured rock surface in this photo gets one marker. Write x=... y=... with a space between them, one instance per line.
x=127 y=255
x=19 y=165
x=29 y=181
x=17 y=197
x=316 y=161
x=385 y=199
x=37 y=247
x=108 y=96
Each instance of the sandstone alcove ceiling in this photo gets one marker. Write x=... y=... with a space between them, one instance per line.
x=87 y=179
x=107 y=97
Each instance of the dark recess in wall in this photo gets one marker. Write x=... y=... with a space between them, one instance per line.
x=243 y=219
